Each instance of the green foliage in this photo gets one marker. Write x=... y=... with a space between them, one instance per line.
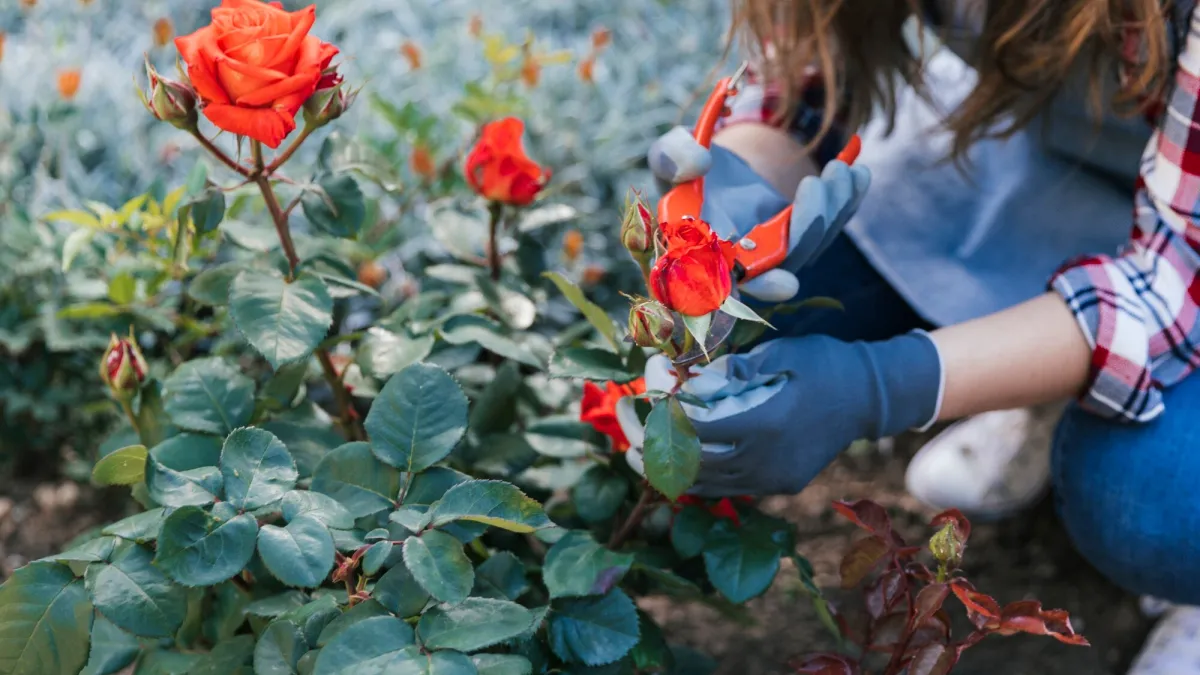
x=358 y=446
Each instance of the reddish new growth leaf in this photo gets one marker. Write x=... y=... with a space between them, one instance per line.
x=825 y=664
x=905 y=601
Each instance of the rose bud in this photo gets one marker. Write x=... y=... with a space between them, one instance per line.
x=328 y=103
x=650 y=324
x=499 y=170
x=637 y=230
x=123 y=367
x=946 y=547
x=170 y=101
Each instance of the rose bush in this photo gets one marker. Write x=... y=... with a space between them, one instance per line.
x=349 y=460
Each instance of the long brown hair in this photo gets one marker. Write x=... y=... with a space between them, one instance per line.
x=1023 y=57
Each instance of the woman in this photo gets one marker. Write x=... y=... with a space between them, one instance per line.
x=1040 y=166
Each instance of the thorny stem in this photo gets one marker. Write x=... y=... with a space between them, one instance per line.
x=635 y=518
x=495 y=210
x=345 y=403
x=291 y=150
x=220 y=154
x=262 y=179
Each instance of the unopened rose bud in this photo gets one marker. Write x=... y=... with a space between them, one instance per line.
x=637 y=230
x=945 y=547
x=330 y=101
x=170 y=101
x=651 y=324
x=123 y=367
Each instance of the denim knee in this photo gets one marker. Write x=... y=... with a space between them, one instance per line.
x=1129 y=496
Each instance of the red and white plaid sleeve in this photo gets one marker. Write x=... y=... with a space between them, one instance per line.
x=1140 y=311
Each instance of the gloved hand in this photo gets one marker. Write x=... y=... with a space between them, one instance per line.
x=736 y=199
x=779 y=414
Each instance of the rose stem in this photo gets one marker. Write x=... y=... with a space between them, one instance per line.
x=263 y=181
x=350 y=424
x=635 y=518
x=129 y=416
x=291 y=149
x=220 y=154
x=495 y=209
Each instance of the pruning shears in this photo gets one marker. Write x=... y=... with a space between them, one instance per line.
x=766 y=245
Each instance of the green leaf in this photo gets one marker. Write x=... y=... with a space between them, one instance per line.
x=491 y=502
x=229 y=657
x=300 y=554
x=399 y=591
x=577 y=565
x=652 y=654
x=279 y=649
x=357 y=479
x=324 y=508
x=45 y=621
x=439 y=565
x=742 y=561
x=199 y=549
x=594 y=631
x=418 y=418
x=374 y=646
x=208 y=395
x=283 y=320
x=122 y=288
x=672 y=450
x=733 y=307
x=699 y=326
x=163 y=662
x=257 y=468
x=207 y=210
x=340 y=210
x=502 y=664
x=376 y=556
x=476 y=623
x=689 y=530
x=211 y=287
x=308 y=441
x=136 y=596
x=495 y=408
x=123 y=467
x=182 y=471
x=527 y=348
x=501 y=577
x=154 y=426
x=74 y=245
x=596 y=365
x=140 y=527
x=384 y=353
x=111 y=648
x=591 y=311
x=599 y=494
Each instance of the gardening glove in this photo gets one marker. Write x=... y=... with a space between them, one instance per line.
x=779 y=414
x=736 y=199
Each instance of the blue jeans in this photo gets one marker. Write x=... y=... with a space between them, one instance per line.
x=1128 y=495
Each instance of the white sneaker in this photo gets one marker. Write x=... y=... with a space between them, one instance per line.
x=1173 y=647
x=988 y=466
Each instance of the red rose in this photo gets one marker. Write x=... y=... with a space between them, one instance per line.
x=695 y=275
x=599 y=408
x=723 y=509
x=254 y=67
x=498 y=167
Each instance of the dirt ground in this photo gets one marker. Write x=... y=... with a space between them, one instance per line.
x=1027 y=557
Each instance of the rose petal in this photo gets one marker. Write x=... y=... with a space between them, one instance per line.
x=262 y=124
x=241 y=79
x=301 y=22
x=271 y=93
x=192 y=51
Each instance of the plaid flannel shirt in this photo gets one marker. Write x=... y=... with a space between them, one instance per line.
x=1139 y=309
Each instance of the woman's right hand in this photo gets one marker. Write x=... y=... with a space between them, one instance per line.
x=736 y=199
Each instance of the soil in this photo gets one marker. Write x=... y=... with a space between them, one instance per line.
x=1025 y=557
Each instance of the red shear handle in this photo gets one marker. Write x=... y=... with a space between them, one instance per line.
x=686 y=199
x=766 y=246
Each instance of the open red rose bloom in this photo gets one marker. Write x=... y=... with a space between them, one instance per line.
x=498 y=167
x=254 y=67
x=599 y=408
x=695 y=274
